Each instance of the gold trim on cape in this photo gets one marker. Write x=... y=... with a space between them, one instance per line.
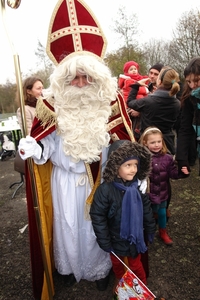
x=45 y=114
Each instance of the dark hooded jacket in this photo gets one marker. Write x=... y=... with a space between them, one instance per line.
x=190 y=120
x=159 y=110
x=106 y=208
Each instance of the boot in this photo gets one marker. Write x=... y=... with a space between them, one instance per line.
x=165 y=237
x=102 y=283
x=69 y=280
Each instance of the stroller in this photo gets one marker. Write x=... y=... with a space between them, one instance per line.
x=8 y=147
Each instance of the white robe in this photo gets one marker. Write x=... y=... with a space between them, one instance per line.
x=74 y=242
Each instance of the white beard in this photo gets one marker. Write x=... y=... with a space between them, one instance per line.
x=82 y=116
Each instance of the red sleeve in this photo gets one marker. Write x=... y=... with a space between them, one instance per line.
x=39 y=131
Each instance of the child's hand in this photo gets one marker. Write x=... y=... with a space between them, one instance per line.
x=150 y=237
x=185 y=170
x=143 y=81
x=133 y=112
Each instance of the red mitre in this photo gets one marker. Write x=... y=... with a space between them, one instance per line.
x=74 y=28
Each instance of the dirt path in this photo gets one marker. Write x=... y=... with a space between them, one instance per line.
x=174 y=271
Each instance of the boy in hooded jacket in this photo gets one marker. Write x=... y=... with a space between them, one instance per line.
x=120 y=212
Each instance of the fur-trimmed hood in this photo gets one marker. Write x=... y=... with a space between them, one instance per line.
x=117 y=154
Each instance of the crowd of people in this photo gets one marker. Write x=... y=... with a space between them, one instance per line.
x=102 y=178
x=104 y=152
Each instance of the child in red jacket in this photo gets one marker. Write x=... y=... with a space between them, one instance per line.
x=130 y=76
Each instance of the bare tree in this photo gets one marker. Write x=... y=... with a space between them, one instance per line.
x=126 y=27
x=44 y=61
x=184 y=45
x=186 y=40
x=7 y=97
x=155 y=51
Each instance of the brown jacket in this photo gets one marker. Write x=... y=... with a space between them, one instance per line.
x=29 y=115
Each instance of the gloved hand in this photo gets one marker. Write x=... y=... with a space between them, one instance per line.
x=150 y=237
x=142 y=185
x=28 y=147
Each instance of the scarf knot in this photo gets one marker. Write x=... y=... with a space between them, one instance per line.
x=131 y=227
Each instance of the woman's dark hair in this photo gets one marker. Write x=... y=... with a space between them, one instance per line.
x=28 y=85
x=193 y=67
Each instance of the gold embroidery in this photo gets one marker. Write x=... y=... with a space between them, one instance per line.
x=45 y=114
x=94 y=187
x=89 y=173
x=114 y=137
x=114 y=123
x=129 y=130
x=115 y=109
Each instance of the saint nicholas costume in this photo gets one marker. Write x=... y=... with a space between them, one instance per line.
x=65 y=188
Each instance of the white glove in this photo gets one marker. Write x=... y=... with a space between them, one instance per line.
x=142 y=185
x=28 y=147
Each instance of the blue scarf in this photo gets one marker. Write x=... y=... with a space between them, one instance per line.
x=132 y=216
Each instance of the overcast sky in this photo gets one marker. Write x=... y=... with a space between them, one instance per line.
x=29 y=23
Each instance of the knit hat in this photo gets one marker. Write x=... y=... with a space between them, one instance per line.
x=157 y=67
x=128 y=64
x=119 y=151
